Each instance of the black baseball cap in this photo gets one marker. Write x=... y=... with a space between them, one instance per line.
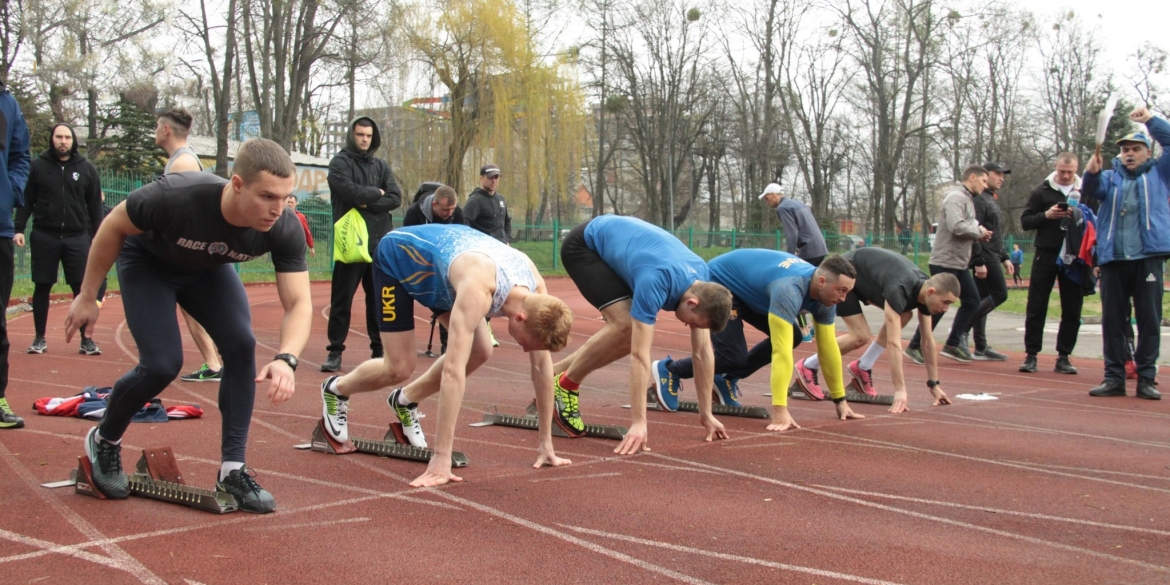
x=489 y=169
x=994 y=166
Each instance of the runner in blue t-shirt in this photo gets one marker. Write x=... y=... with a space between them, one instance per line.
x=464 y=276
x=769 y=290
x=630 y=270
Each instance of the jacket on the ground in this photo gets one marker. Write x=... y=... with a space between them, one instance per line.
x=1049 y=236
x=363 y=181
x=988 y=214
x=422 y=213
x=1152 y=190
x=14 y=159
x=489 y=214
x=958 y=229
x=64 y=197
x=802 y=235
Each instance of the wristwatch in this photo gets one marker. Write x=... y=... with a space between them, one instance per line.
x=289 y=359
x=929 y=383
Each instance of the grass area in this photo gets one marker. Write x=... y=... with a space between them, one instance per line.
x=1018 y=302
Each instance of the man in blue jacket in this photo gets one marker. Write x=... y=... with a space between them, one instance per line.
x=14 y=163
x=1133 y=240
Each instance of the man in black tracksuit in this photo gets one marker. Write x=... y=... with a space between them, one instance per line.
x=485 y=209
x=64 y=198
x=994 y=260
x=358 y=179
x=1044 y=213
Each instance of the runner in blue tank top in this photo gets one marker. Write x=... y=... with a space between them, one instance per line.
x=630 y=270
x=770 y=290
x=464 y=276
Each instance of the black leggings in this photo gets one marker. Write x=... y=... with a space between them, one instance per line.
x=40 y=306
x=733 y=359
x=216 y=299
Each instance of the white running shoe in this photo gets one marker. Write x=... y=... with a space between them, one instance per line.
x=334 y=411
x=405 y=426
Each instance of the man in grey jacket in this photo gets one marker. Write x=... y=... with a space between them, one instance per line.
x=802 y=235
x=958 y=230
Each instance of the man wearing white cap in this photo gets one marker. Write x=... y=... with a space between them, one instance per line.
x=802 y=235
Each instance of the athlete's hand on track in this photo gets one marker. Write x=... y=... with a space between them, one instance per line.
x=900 y=402
x=283 y=382
x=846 y=413
x=82 y=313
x=634 y=441
x=781 y=420
x=548 y=458
x=714 y=428
x=435 y=477
x=940 y=397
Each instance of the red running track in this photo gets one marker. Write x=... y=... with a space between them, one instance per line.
x=1044 y=485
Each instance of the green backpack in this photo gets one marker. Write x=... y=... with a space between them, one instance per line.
x=350 y=238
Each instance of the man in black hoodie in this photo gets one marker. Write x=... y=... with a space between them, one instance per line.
x=485 y=209
x=358 y=179
x=64 y=198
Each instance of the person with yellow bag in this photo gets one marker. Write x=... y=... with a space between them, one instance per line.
x=363 y=192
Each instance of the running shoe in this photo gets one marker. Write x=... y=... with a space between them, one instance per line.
x=88 y=347
x=666 y=384
x=106 y=460
x=864 y=377
x=241 y=484
x=726 y=390
x=914 y=354
x=203 y=374
x=406 y=427
x=988 y=354
x=568 y=411
x=957 y=353
x=8 y=419
x=38 y=346
x=334 y=412
x=807 y=379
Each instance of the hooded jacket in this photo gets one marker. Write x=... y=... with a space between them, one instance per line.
x=14 y=159
x=422 y=213
x=1152 y=190
x=489 y=214
x=64 y=197
x=361 y=180
x=1049 y=236
x=958 y=230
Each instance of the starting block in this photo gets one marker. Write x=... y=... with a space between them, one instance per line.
x=716 y=408
x=529 y=421
x=387 y=447
x=156 y=477
x=853 y=394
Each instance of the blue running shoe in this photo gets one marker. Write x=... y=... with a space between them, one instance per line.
x=666 y=384
x=726 y=390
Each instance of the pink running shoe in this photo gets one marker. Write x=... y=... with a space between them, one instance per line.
x=864 y=377
x=807 y=379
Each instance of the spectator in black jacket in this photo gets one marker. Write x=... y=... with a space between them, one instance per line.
x=485 y=209
x=358 y=179
x=440 y=206
x=995 y=261
x=1044 y=213
x=64 y=198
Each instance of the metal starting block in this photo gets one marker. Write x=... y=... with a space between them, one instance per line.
x=528 y=421
x=853 y=394
x=156 y=477
x=387 y=447
x=716 y=408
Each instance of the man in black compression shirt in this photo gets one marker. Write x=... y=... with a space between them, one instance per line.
x=175 y=240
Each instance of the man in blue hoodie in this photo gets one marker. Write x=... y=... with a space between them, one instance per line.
x=1133 y=240
x=14 y=163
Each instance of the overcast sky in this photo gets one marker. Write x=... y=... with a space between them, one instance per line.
x=1122 y=27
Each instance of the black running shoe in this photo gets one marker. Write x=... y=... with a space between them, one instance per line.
x=88 y=347
x=38 y=346
x=241 y=484
x=8 y=419
x=106 y=460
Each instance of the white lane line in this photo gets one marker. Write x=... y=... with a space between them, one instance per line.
x=52 y=547
x=575 y=477
x=1093 y=407
x=1091 y=470
x=122 y=560
x=1004 y=463
x=1008 y=425
x=732 y=558
x=997 y=510
x=919 y=515
x=781 y=444
x=308 y=524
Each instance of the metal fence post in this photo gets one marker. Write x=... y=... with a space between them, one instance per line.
x=733 y=237
x=556 y=236
x=777 y=240
x=691 y=237
x=916 y=248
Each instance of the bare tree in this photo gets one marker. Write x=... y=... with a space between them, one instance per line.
x=201 y=28
x=1072 y=85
